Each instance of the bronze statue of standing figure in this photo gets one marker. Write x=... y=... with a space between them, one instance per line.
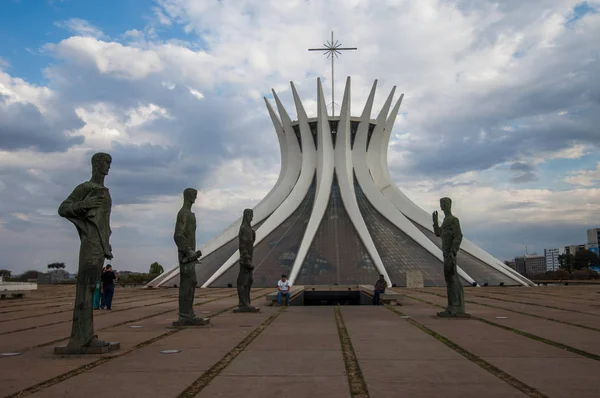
x=88 y=208
x=246 y=237
x=185 y=239
x=451 y=240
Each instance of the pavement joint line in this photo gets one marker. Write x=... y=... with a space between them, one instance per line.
x=35 y=316
x=536 y=305
x=499 y=373
x=356 y=381
x=70 y=309
x=540 y=339
x=523 y=313
x=77 y=371
x=67 y=300
x=100 y=314
x=541 y=291
x=49 y=343
x=548 y=295
x=204 y=380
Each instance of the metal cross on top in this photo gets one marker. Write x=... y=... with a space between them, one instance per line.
x=332 y=49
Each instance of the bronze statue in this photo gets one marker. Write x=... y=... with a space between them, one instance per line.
x=247 y=236
x=88 y=208
x=185 y=239
x=451 y=239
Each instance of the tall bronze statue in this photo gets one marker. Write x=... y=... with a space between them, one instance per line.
x=88 y=208
x=185 y=239
x=246 y=237
x=451 y=239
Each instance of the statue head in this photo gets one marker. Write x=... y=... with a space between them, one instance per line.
x=446 y=204
x=101 y=163
x=248 y=215
x=190 y=195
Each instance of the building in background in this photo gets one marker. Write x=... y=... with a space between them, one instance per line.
x=531 y=264
x=572 y=249
x=551 y=256
x=593 y=238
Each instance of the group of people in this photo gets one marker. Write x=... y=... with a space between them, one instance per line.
x=105 y=289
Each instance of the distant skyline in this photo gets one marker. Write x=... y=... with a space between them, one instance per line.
x=501 y=113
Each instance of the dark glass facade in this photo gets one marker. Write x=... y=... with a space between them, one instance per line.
x=336 y=254
x=275 y=254
x=398 y=251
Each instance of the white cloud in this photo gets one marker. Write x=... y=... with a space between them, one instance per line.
x=121 y=61
x=161 y=17
x=80 y=27
x=196 y=93
x=587 y=178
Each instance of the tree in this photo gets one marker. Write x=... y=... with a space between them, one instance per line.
x=566 y=262
x=31 y=274
x=56 y=266
x=584 y=259
x=156 y=269
x=5 y=273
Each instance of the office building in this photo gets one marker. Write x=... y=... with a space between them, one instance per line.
x=551 y=256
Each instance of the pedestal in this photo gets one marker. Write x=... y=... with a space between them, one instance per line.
x=198 y=322
x=66 y=350
x=250 y=308
x=447 y=315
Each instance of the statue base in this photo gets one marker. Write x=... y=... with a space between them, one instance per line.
x=450 y=315
x=95 y=349
x=249 y=308
x=202 y=322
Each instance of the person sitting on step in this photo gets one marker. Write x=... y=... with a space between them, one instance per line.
x=283 y=288
x=380 y=286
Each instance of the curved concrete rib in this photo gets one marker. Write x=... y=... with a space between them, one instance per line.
x=291 y=162
x=324 y=181
x=345 y=174
x=379 y=168
x=300 y=189
x=372 y=192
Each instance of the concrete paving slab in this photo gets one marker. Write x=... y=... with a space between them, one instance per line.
x=434 y=389
x=292 y=386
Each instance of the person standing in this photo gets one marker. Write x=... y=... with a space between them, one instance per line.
x=379 y=289
x=97 y=294
x=107 y=287
x=283 y=289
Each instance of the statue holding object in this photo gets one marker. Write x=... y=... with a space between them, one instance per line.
x=246 y=237
x=451 y=235
x=88 y=208
x=185 y=239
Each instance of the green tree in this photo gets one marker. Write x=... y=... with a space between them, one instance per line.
x=584 y=259
x=566 y=262
x=56 y=266
x=156 y=269
x=5 y=273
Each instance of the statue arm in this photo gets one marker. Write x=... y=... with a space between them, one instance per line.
x=72 y=207
x=457 y=236
x=436 y=227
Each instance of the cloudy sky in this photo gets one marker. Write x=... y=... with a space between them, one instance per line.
x=501 y=112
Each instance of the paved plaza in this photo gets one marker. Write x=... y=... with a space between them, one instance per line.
x=537 y=341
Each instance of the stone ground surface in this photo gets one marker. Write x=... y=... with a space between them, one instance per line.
x=538 y=342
